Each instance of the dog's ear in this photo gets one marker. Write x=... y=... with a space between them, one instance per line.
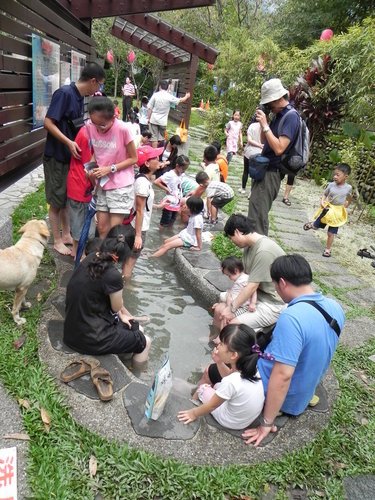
x=43 y=229
x=23 y=228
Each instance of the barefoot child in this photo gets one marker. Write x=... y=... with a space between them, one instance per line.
x=233 y=133
x=79 y=186
x=335 y=200
x=218 y=195
x=238 y=399
x=191 y=236
x=234 y=269
x=171 y=183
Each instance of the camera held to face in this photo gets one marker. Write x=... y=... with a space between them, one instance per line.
x=265 y=108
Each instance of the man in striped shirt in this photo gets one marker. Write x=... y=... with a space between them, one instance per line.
x=128 y=92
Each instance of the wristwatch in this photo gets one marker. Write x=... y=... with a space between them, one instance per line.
x=266 y=129
x=113 y=168
x=264 y=422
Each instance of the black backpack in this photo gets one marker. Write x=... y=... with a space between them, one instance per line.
x=297 y=155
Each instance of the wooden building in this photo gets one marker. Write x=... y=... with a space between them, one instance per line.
x=67 y=23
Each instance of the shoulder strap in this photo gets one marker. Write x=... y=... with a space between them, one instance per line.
x=137 y=177
x=284 y=118
x=331 y=321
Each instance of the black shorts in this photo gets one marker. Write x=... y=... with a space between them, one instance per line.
x=127 y=339
x=55 y=174
x=219 y=202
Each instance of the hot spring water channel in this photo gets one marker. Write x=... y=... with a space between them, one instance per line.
x=179 y=325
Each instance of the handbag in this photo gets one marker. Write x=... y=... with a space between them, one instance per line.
x=258 y=167
x=182 y=131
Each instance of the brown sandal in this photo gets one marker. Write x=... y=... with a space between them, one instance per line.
x=78 y=368
x=102 y=380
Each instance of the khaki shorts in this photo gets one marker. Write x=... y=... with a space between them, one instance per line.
x=55 y=174
x=265 y=315
x=115 y=201
x=157 y=131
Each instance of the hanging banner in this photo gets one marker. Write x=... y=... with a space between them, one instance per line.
x=45 y=76
x=77 y=64
x=64 y=73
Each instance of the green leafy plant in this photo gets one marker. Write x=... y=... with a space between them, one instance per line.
x=308 y=95
x=223 y=247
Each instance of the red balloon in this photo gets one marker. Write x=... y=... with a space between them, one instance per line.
x=110 y=56
x=326 y=35
x=131 y=57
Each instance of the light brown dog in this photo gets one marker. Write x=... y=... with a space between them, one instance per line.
x=19 y=263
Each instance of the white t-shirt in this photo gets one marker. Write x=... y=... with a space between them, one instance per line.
x=253 y=132
x=213 y=171
x=188 y=234
x=166 y=154
x=135 y=128
x=244 y=401
x=237 y=287
x=143 y=188
x=143 y=113
x=174 y=184
x=160 y=104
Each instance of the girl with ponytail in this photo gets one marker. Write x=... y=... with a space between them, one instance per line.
x=238 y=399
x=96 y=320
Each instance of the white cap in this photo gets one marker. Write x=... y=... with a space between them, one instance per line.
x=272 y=90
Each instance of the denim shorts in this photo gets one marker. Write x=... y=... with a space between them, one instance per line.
x=77 y=216
x=167 y=217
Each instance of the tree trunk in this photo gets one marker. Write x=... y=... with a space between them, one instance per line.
x=116 y=81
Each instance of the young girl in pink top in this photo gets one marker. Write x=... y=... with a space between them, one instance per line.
x=233 y=133
x=115 y=154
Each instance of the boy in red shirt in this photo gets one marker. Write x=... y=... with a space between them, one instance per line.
x=79 y=187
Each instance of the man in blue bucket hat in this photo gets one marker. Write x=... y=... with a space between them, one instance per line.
x=274 y=98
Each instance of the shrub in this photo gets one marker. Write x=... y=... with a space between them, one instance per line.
x=223 y=247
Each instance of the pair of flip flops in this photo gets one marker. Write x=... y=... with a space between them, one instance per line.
x=101 y=378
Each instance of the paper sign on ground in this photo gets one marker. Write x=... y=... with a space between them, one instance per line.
x=8 y=473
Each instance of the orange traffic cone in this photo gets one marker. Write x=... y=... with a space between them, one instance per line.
x=201 y=106
x=207 y=106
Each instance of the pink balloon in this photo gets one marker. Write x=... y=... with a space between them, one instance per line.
x=326 y=35
x=110 y=56
x=131 y=57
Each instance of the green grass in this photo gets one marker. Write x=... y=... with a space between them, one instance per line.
x=223 y=247
x=58 y=461
x=196 y=118
x=33 y=207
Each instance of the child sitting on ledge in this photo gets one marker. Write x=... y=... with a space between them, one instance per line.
x=191 y=236
x=234 y=269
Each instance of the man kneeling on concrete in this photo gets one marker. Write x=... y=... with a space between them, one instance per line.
x=304 y=341
x=259 y=253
